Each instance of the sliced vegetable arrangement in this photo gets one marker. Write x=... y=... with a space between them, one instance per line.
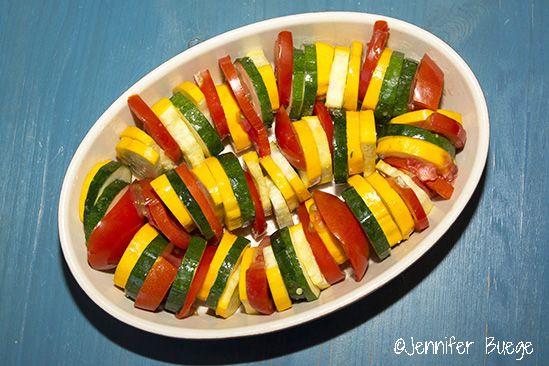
x=183 y=219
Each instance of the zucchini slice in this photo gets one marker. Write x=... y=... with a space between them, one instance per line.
x=191 y=204
x=230 y=263
x=298 y=84
x=144 y=265
x=296 y=280
x=387 y=95
x=418 y=133
x=279 y=206
x=338 y=77
x=236 y=176
x=306 y=257
x=106 y=174
x=368 y=222
x=311 y=80
x=341 y=172
x=185 y=275
x=404 y=87
x=253 y=84
x=211 y=143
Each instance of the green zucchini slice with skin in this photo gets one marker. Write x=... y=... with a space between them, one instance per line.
x=102 y=204
x=107 y=174
x=199 y=122
x=418 y=133
x=185 y=275
x=190 y=203
x=389 y=86
x=311 y=80
x=341 y=171
x=232 y=167
x=144 y=265
x=407 y=74
x=368 y=222
x=255 y=87
x=228 y=265
x=297 y=282
x=298 y=84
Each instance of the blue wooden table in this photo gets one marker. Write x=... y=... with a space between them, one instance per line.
x=63 y=63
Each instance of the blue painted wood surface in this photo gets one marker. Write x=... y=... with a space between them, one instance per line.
x=63 y=63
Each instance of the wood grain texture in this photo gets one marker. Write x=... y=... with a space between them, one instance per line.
x=63 y=63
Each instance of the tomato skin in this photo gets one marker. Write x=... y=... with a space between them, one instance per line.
x=328 y=266
x=446 y=127
x=200 y=274
x=193 y=186
x=373 y=53
x=205 y=82
x=257 y=286
x=426 y=86
x=288 y=141
x=159 y=279
x=161 y=218
x=412 y=202
x=252 y=124
x=110 y=238
x=284 y=66
x=321 y=112
x=260 y=224
x=342 y=223
x=154 y=127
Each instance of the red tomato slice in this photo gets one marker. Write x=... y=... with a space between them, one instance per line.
x=321 y=112
x=412 y=202
x=284 y=65
x=154 y=127
x=442 y=187
x=447 y=127
x=328 y=266
x=194 y=188
x=113 y=233
x=252 y=124
x=373 y=53
x=260 y=224
x=342 y=223
x=159 y=279
x=199 y=276
x=288 y=141
x=161 y=218
x=257 y=286
x=205 y=82
x=426 y=86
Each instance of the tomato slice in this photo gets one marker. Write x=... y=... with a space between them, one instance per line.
x=161 y=218
x=447 y=127
x=412 y=202
x=441 y=187
x=205 y=82
x=199 y=276
x=328 y=266
x=260 y=224
x=196 y=191
x=424 y=170
x=342 y=223
x=257 y=286
x=284 y=65
x=113 y=233
x=252 y=124
x=288 y=141
x=325 y=119
x=373 y=53
x=154 y=127
x=159 y=278
x=426 y=86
